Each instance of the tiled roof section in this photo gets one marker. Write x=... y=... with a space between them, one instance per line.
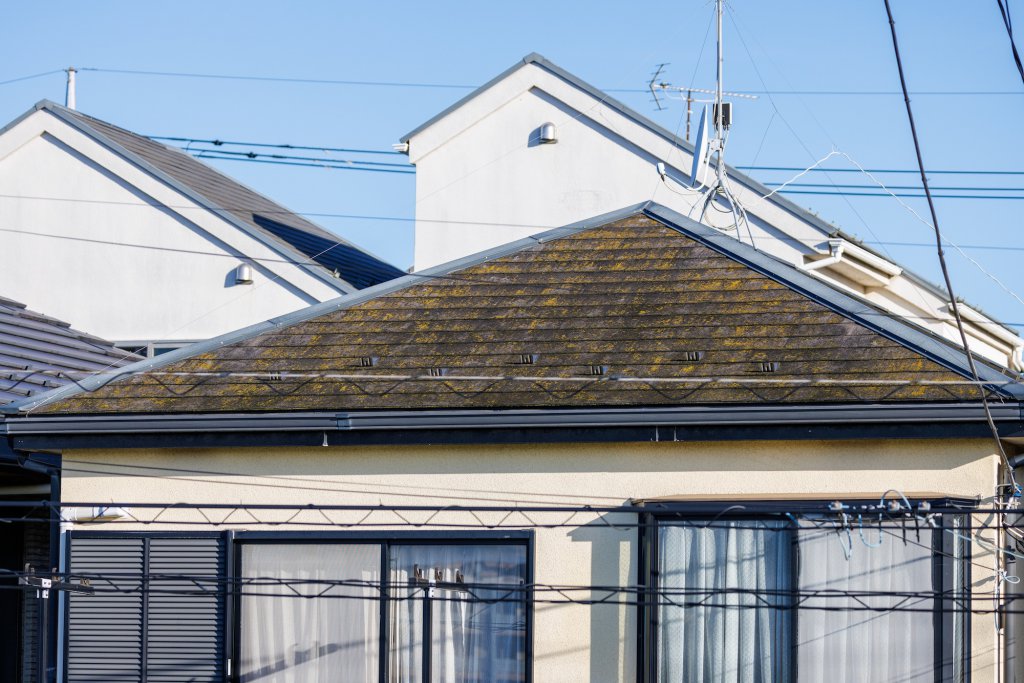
x=31 y=342
x=635 y=297
x=352 y=264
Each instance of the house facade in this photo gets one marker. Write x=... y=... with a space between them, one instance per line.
x=149 y=247
x=632 y=449
x=485 y=176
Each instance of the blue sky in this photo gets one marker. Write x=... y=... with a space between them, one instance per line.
x=784 y=45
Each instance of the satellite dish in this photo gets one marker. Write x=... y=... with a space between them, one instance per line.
x=700 y=151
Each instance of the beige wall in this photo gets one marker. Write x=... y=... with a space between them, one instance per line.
x=572 y=642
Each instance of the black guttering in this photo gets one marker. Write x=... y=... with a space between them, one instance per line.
x=536 y=426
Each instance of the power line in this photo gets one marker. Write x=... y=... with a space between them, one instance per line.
x=462 y=86
x=218 y=143
x=1005 y=12
x=31 y=76
x=331 y=160
x=822 y=169
x=329 y=164
x=950 y=188
x=954 y=305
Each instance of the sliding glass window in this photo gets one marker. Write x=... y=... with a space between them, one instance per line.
x=441 y=612
x=767 y=601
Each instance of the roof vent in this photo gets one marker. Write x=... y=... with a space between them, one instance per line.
x=548 y=134
x=368 y=361
x=769 y=366
x=243 y=274
x=437 y=372
x=692 y=356
x=598 y=369
x=526 y=359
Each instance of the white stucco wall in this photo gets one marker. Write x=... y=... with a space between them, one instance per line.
x=482 y=181
x=86 y=237
x=571 y=642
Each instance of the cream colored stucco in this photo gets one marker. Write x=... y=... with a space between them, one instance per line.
x=571 y=642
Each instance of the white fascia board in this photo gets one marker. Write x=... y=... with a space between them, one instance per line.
x=219 y=230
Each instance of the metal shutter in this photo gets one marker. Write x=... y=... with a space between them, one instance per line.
x=104 y=637
x=160 y=634
x=185 y=634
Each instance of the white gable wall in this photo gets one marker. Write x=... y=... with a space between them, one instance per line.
x=482 y=180
x=69 y=211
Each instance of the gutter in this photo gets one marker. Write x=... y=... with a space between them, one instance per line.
x=535 y=418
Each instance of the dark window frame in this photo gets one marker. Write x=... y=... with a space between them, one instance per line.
x=385 y=539
x=648 y=560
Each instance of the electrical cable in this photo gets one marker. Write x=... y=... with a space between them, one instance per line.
x=454 y=86
x=1004 y=11
x=31 y=76
x=954 y=305
x=218 y=143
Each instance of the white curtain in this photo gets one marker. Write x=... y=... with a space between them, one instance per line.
x=477 y=635
x=856 y=645
x=303 y=639
x=728 y=637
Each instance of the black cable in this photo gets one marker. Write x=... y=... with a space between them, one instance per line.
x=954 y=306
x=217 y=143
x=1008 y=23
x=262 y=155
x=331 y=164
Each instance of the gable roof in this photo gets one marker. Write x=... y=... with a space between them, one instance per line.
x=772 y=196
x=31 y=342
x=252 y=212
x=633 y=293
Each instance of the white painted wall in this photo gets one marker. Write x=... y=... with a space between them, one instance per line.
x=482 y=181
x=85 y=237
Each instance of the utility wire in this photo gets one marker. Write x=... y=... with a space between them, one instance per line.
x=1005 y=12
x=328 y=164
x=954 y=305
x=461 y=86
x=219 y=143
x=262 y=155
x=31 y=76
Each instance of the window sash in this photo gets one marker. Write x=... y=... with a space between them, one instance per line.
x=941 y=652
x=507 y=648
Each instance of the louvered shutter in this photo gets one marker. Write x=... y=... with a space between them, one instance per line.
x=172 y=632
x=185 y=634
x=105 y=629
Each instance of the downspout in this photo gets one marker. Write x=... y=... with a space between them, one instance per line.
x=835 y=248
x=1013 y=634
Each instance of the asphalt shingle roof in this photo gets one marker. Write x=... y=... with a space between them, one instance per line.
x=255 y=211
x=31 y=341
x=635 y=297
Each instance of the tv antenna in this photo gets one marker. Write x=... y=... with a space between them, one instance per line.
x=663 y=87
x=709 y=145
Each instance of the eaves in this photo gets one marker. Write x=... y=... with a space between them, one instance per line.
x=580 y=425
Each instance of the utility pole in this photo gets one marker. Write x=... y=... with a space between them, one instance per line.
x=69 y=94
x=43 y=585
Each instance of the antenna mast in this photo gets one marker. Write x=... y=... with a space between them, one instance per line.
x=721 y=114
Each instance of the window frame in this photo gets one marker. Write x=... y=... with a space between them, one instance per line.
x=660 y=514
x=385 y=539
